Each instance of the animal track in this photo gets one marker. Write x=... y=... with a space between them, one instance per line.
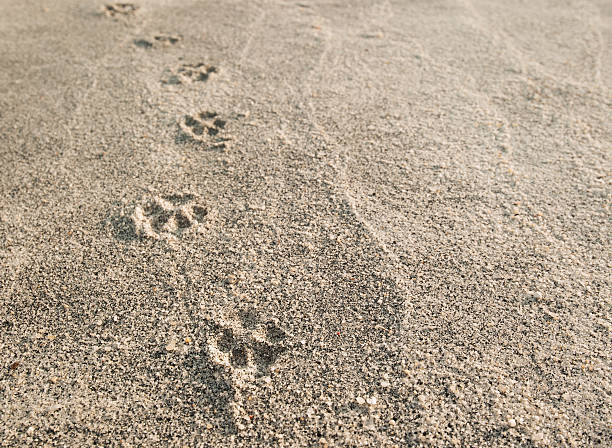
x=248 y=345
x=163 y=40
x=205 y=127
x=188 y=73
x=169 y=216
x=119 y=9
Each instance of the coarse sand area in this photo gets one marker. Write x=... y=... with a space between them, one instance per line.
x=306 y=223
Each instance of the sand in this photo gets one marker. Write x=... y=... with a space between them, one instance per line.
x=314 y=223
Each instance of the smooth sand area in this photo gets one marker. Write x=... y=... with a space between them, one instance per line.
x=323 y=223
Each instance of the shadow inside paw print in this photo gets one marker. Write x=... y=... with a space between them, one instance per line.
x=120 y=9
x=168 y=215
x=251 y=345
x=166 y=39
x=188 y=73
x=205 y=127
x=160 y=40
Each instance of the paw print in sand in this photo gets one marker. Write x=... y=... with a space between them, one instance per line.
x=159 y=40
x=169 y=216
x=188 y=73
x=119 y=9
x=249 y=346
x=205 y=127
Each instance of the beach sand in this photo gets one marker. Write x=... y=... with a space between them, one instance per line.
x=306 y=223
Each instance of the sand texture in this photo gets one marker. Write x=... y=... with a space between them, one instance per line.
x=356 y=223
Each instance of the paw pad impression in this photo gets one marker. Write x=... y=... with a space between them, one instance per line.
x=120 y=9
x=250 y=346
x=169 y=216
x=188 y=73
x=205 y=127
x=159 y=40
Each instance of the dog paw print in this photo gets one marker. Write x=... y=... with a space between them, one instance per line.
x=120 y=9
x=249 y=345
x=188 y=73
x=169 y=216
x=159 y=40
x=205 y=127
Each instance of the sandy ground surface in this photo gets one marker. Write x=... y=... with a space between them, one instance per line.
x=306 y=223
